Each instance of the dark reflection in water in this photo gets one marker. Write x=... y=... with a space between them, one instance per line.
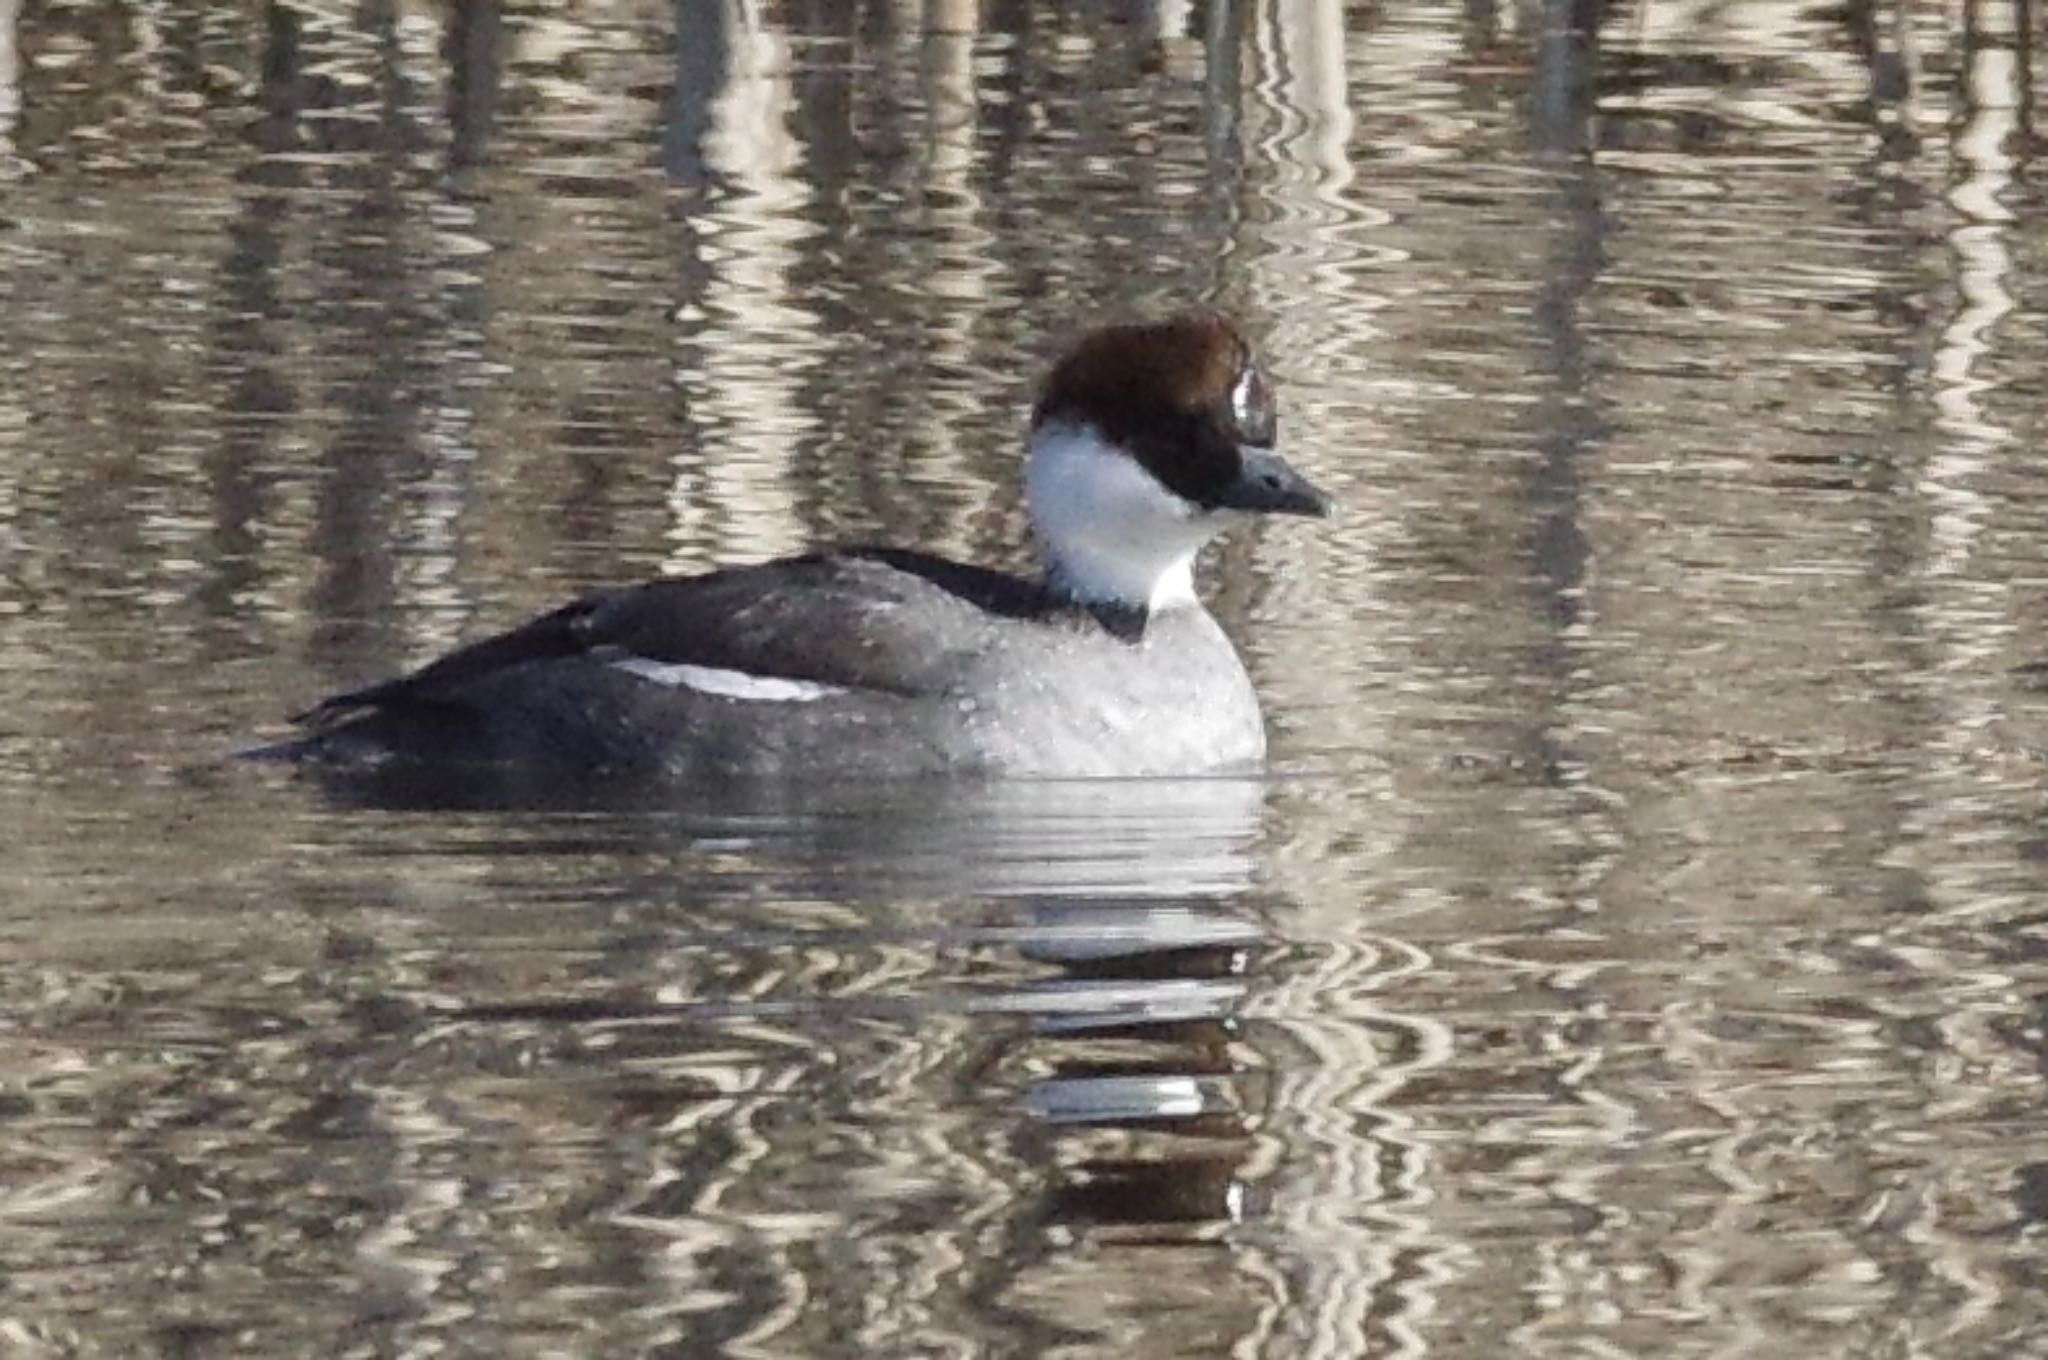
x=1636 y=948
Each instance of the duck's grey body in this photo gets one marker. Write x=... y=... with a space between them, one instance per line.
x=841 y=664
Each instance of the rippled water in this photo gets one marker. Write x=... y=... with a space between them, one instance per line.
x=1637 y=947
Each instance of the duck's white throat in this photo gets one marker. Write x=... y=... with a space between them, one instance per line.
x=1110 y=532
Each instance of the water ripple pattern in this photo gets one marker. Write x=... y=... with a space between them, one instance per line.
x=1634 y=947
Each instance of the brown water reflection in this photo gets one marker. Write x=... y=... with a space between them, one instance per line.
x=1636 y=949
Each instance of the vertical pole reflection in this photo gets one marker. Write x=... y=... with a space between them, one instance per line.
x=963 y=252
x=13 y=419
x=1563 y=104
x=961 y=272
x=1567 y=47
x=1222 y=59
x=1982 y=261
x=1562 y=111
x=1302 y=93
x=10 y=79
x=2023 y=75
x=1562 y=123
x=244 y=338
x=703 y=50
x=471 y=46
x=741 y=351
x=947 y=74
x=1967 y=612
x=372 y=312
x=1305 y=251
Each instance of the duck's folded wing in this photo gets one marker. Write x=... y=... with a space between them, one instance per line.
x=871 y=623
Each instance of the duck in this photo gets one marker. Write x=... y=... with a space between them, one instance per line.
x=1148 y=439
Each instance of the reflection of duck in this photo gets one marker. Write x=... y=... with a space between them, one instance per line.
x=1145 y=1083
x=1139 y=1090
x=1146 y=441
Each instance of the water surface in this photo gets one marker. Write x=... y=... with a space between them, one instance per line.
x=1636 y=946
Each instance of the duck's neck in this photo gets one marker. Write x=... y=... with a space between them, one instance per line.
x=1111 y=535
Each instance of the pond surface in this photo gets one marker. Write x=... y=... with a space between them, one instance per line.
x=1639 y=945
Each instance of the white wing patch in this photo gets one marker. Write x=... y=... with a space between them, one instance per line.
x=726 y=684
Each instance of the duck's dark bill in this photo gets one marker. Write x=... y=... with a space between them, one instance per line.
x=1265 y=482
